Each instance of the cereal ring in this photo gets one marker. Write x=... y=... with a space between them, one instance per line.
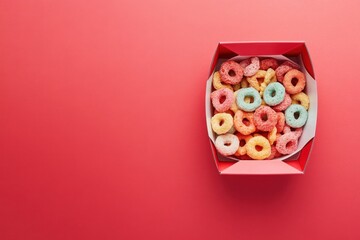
x=281 y=71
x=284 y=104
x=297 y=131
x=272 y=136
x=294 y=86
x=231 y=72
x=273 y=153
x=260 y=142
x=280 y=124
x=254 y=80
x=243 y=139
x=221 y=123
x=274 y=94
x=227 y=144
x=251 y=93
x=227 y=111
x=265 y=118
x=217 y=82
x=267 y=63
x=302 y=99
x=295 y=116
x=286 y=143
x=234 y=107
x=218 y=101
x=244 y=122
x=253 y=67
x=269 y=77
x=291 y=64
x=244 y=63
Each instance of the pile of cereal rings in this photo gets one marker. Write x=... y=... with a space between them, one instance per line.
x=260 y=108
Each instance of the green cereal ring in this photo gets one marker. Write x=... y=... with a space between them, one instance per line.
x=248 y=92
x=296 y=116
x=274 y=94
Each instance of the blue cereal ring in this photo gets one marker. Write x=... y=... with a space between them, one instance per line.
x=296 y=116
x=274 y=94
x=248 y=92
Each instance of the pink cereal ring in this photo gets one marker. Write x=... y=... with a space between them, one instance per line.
x=287 y=143
x=265 y=118
x=267 y=63
x=297 y=131
x=231 y=72
x=244 y=63
x=290 y=86
x=222 y=99
x=281 y=71
x=227 y=144
x=252 y=68
x=284 y=104
x=280 y=124
x=291 y=64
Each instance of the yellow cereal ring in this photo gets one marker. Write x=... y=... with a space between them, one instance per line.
x=234 y=106
x=262 y=143
x=217 y=84
x=272 y=136
x=302 y=99
x=221 y=123
x=243 y=139
x=269 y=77
x=254 y=80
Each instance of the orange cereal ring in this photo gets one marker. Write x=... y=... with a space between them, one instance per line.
x=217 y=84
x=294 y=81
x=221 y=123
x=302 y=99
x=244 y=122
x=254 y=80
x=258 y=148
x=243 y=139
x=272 y=136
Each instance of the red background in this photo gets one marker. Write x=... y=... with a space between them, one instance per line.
x=102 y=123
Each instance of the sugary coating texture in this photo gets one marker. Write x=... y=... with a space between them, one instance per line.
x=284 y=104
x=254 y=80
x=217 y=84
x=267 y=63
x=217 y=95
x=265 y=118
x=244 y=63
x=297 y=131
x=274 y=94
x=302 y=99
x=295 y=116
x=272 y=136
x=300 y=84
x=227 y=144
x=269 y=77
x=221 y=123
x=253 y=67
x=231 y=72
x=248 y=92
x=291 y=64
x=243 y=139
x=286 y=143
x=263 y=143
x=244 y=122
x=281 y=71
x=227 y=111
x=280 y=124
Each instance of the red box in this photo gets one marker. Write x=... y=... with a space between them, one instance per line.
x=291 y=164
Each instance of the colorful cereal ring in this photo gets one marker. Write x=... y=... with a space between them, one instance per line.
x=286 y=143
x=269 y=77
x=267 y=63
x=272 y=136
x=274 y=94
x=281 y=71
x=227 y=144
x=280 y=124
x=295 y=116
x=262 y=143
x=222 y=123
x=222 y=94
x=302 y=99
x=288 y=81
x=253 y=67
x=254 y=80
x=244 y=122
x=231 y=72
x=265 y=118
x=217 y=84
x=248 y=92
x=243 y=139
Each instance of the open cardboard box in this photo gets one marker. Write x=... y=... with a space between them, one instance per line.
x=290 y=164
